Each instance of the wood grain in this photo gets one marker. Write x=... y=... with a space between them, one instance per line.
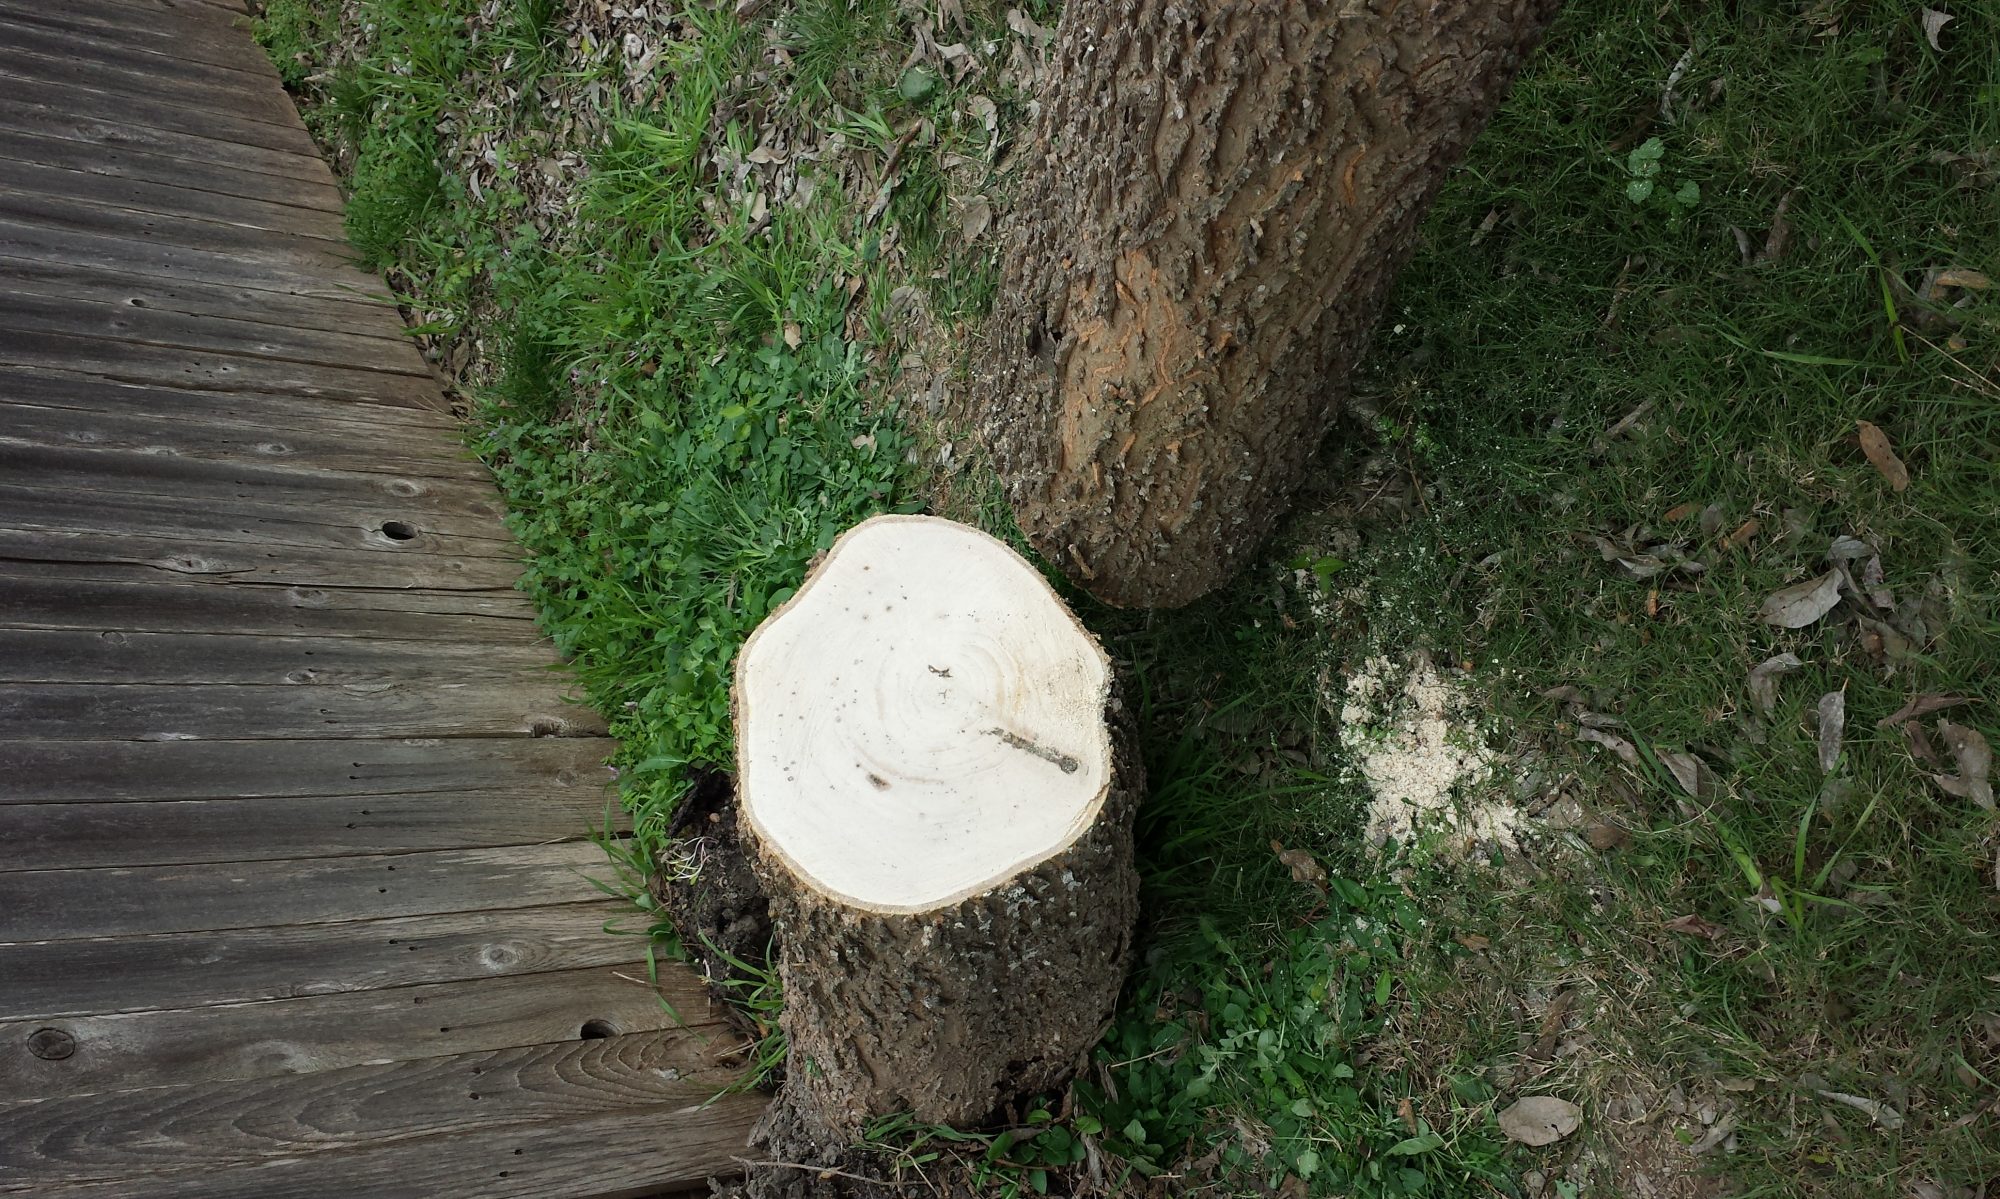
x=328 y=1032
x=186 y=831
x=561 y=768
x=70 y=905
x=97 y=123
x=630 y=1154
x=45 y=980
x=296 y=884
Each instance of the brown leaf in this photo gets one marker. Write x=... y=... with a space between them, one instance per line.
x=1959 y=277
x=1975 y=762
x=1920 y=706
x=1801 y=604
x=1920 y=744
x=1540 y=1120
x=1686 y=769
x=1693 y=926
x=1744 y=532
x=1679 y=512
x=1832 y=723
x=1764 y=680
x=1474 y=941
x=1604 y=836
x=1875 y=444
x=1305 y=869
x=1615 y=744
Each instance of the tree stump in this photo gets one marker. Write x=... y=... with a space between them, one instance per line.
x=935 y=778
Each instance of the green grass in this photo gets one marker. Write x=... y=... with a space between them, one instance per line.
x=684 y=403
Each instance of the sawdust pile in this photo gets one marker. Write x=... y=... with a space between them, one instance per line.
x=1417 y=740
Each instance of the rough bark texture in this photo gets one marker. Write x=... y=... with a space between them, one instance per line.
x=1221 y=196
x=953 y=1013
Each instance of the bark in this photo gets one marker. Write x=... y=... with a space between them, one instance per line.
x=954 y=1013
x=1222 y=196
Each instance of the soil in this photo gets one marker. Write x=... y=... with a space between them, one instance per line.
x=704 y=884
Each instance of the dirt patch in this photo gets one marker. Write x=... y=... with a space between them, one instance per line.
x=703 y=883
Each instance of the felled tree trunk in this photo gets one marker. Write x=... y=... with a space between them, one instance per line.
x=1219 y=199
x=933 y=773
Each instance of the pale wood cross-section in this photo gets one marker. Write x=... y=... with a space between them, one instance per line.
x=293 y=815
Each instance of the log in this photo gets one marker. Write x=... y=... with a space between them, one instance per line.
x=938 y=786
x=1212 y=208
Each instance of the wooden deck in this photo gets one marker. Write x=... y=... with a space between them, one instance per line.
x=292 y=809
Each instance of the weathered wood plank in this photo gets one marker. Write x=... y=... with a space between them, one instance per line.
x=564 y=769
x=281 y=255
x=466 y=508
x=67 y=656
x=255 y=563
x=42 y=56
x=290 y=1037
x=678 y=1147
x=309 y=446
x=259 y=269
x=207 y=370
x=134 y=599
x=74 y=170
x=46 y=980
x=74 y=905
x=96 y=123
x=38 y=310
x=196 y=436
x=203 y=1126
x=93 y=22
x=227 y=711
x=373 y=322
x=181 y=712
x=417 y=429
x=184 y=831
x=294 y=517
x=63 y=90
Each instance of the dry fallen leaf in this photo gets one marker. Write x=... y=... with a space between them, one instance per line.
x=1679 y=512
x=1934 y=23
x=1693 y=926
x=1801 y=604
x=1764 y=680
x=1304 y=868
x=1961 y=278
x=1744 y=532
x=1474 y=941
x=1920 y=744
x=1881 y=1113
x=1832 y=723
x=1603 y=836
x=1875 y=444
x=1975 y=763
x=1540 y=1120
x=1617 y=745
x=1686 y=769
x=1920 y=706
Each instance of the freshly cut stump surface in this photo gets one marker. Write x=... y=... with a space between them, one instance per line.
x=933 y=768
